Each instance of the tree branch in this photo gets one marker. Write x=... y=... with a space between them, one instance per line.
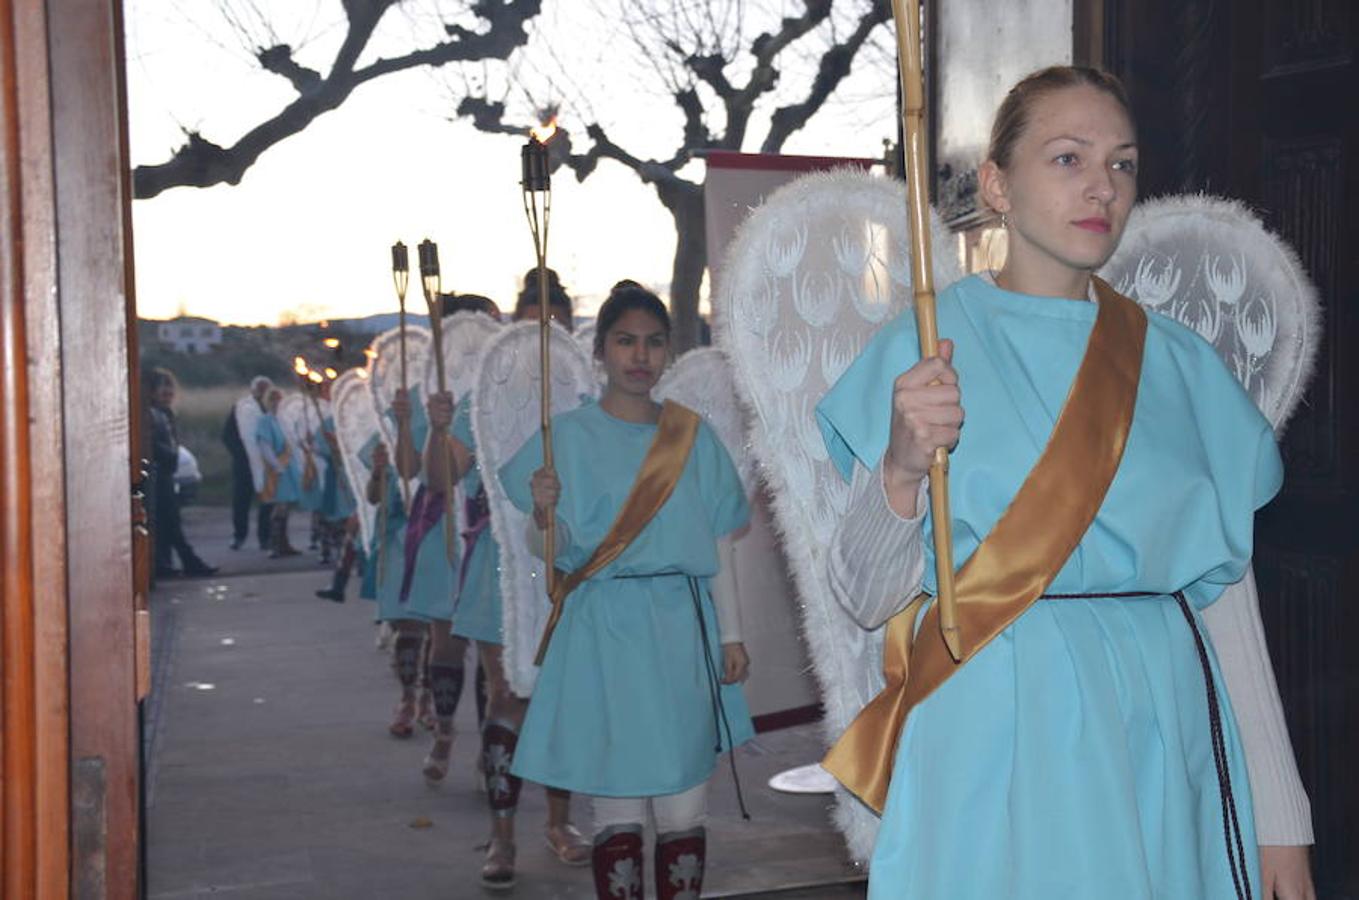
x=279 y=60
x=835 y=65
x=202 y=163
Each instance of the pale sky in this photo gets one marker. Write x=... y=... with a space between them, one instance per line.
x=307 y=230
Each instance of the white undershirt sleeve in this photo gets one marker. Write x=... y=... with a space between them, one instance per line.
x=1283 y=815
x=876 y=559
x=725 y=594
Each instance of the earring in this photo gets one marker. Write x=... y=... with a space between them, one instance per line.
x=1004 y=221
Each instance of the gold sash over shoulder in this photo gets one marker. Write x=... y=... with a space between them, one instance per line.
x=1020 y=557
x=656 y=480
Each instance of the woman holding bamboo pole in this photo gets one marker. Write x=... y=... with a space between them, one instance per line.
x=640 y=680
x=478 y=617
x=1106 y=478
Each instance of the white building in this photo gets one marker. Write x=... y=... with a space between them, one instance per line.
x=189 y=334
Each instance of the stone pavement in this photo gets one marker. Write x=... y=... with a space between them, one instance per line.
x=270 y=773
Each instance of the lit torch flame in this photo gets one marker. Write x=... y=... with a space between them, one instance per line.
x=370 y=353
x=315 y=377
x=331 y=343
x=362 y=374
x=544 y=132
x=299 y=365
x=331 y=374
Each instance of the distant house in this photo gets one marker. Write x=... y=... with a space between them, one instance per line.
x=189 y=334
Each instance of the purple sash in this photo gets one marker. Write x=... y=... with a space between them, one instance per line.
x=426 y=510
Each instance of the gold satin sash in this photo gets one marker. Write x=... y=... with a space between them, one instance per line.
x=271 y=477
x=660 y=472
x=1020 y=557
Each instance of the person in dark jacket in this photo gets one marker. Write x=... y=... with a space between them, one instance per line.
x=242 y=478
x=169 y=532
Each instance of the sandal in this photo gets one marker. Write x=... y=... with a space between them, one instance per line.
x=403 y=723
x=435 y=766
x=497 y=872
x=426 y=716
x=568 y=844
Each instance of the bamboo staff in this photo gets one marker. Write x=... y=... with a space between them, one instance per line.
x=537 y=180
x=401 y=278
x=431 y=281
x=907 y=15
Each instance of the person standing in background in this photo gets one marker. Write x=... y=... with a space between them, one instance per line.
x=242 y=478
x=169 y=531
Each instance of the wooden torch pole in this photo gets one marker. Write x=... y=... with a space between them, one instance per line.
x=907 y=15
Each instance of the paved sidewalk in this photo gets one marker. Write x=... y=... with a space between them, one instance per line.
x=271 y=774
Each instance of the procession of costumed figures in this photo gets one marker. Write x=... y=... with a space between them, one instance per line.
x=571 y=502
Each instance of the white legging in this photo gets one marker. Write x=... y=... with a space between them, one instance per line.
x=674 y=812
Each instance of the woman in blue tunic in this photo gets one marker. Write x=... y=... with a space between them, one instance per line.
x=478 y=617
x=338 y=512
x=1090 y=749
x=637 y=686
x=428 y=562
x=383 y=573
x=283 y=472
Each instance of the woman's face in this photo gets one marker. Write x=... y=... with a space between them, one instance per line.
x=272 y=400
x=1071 y=181
x=164 y=395
x=635 y=352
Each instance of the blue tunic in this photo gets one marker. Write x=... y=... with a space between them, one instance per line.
x=623 y=704
x=478 y=615
x=434 y=585
x=270 y=434
x=382 y=571
x=1072 y=756
x=312 y=496
x=337 y=498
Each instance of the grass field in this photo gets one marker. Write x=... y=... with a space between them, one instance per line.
x=200 y=413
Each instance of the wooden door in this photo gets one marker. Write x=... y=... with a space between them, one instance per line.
x=1259 y=100
x=1294 y=102
x=70 y=776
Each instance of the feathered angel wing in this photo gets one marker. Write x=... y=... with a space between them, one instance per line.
x=247 y=420
x=384 y=371
x=702 y=381
x=505 y=413
x=356 y=423
x=1211 y=264
x=585 y=336
x=292 y=417
x=466 y=335
x=810 y=277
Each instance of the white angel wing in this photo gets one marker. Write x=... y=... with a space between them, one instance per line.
x=247 y=420
x=1211 y=264
x=702 y=381
x=356 y=423
x=585 y=336
x=505 y=413
x=465 y=335
x=384 y=371
x=811 y=276
x=292 y=417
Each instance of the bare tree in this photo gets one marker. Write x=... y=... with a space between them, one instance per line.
x=720 y=77
x=471 y=30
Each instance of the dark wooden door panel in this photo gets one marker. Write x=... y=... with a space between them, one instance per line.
x=1259 y=100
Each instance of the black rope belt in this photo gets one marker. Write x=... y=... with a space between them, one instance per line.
x=721 y=725
x=1231 y=825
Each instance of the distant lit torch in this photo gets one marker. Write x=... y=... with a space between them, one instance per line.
x=431 y=280
x=536 y=183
